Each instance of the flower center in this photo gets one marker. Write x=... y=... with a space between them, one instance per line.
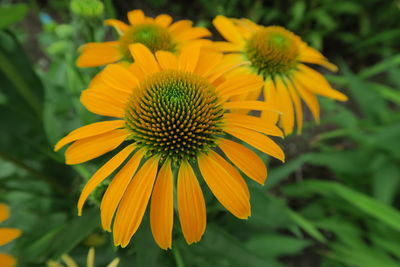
x=153 y=36
x=174 y=114
x=272 y=51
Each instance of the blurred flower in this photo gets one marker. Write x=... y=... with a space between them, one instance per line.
x=87 y=8
x=6 y=236
x=155 y=33
x=173 y=113
x=277 y=55
x=69 y=262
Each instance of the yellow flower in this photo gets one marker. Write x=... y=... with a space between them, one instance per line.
x=278 y=56
x=6 y=236
x=172 y=114
x=69 y=262
x=157 y=33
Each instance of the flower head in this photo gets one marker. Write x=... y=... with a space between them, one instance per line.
x=6 y=236
x=173 y=114
x=278 y=56
x=156 y=34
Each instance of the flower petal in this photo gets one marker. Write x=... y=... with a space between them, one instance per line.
x=98 y=54
x=102 y=102
x=136 y=16
x=257 y=140
x=102 y=174
x=134 y=202
x=7 y=260
x=4 y=212
x=191 y=205
x=144 y=58
x=245 y=159
x=162 y=207
x=193 y=33
x=163 y=20
x=252 y=123
x=119 y=78
x=239 y=85
x=226 y=28
x=287 y=117
x=117 y=188
x=88 y=131
x=8 y=234
x=309 y=98
x=207 y=61
x=297 y=106
x=120 y=26
x=167 y=60
x=225 y=185
x=189 y=57
x=180 y=26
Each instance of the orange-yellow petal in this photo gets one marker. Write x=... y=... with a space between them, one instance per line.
x=313 y=56
x=102 y=102
x=144 y=58
x=257 y=140
x=309 y=98
x=188 y=57
x=272 y=99
x=245 y=159
x=226 y=28
x=120 y=26
x=191 y=205
x=102 y=174
x=297 y=106
x=117 y=188
x=207 y=61
x=163 y=20
x=4 y=212
x=8 y=234
x=88 y=131
x=239 y=85
x=226 y=47
x=287 y=117
x=225 y=185
x=193 y=33
x=134 y=202
x=162 y=207
x=252 y=123
x=98 y=54
x=136 y=16
x=7 y=261
x=251 y=105
x=92 y=147
x=167 y=60
x=180 y=26
x=119 y=78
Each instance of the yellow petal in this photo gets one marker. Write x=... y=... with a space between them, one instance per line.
x=316 y=83
x=297 y=106
x=103 y=103
x=192 y=34
x=98 y=55
x=144 y=58
x=162 y=207
x=167 y=60
x=163 y=20
x=252 y=123
x=102 y=174
x=94 y=146
x=231 y=193
x=7 y=260
x=120 y=26
x=191 y=205
x=88 y=131
x=134 y=202
x=226 y=28
x=251 y=105
x=189 y=57
x=239 y=85
x=207 y=61
x=119 y=78
x=180 y=26
x=8 y=234
x=271 y=98
x=4 y=212
x=136 y=71
x=309 y=98
x=117 y=188
x=287 y=118
x=257 y=140
x=228 y=63
x=226 y=47
x=311 y=55
x=136 y=16
x=245 y=159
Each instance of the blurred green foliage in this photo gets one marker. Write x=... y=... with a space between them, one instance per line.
x=334 y=203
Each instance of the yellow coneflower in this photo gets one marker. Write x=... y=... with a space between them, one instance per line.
x=172 y=115
x=278 y=56
x=69 y=262
x=156 y=34
x=6 y=236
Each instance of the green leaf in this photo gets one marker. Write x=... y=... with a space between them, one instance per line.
x=12 y=14
x=307 y=226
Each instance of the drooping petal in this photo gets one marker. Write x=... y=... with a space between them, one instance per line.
x=245 y=159
x=287 y=117
x=102 y=174
x=272 y=99
x=191 y=205
x=257 y=140
x=7 y=261
x=226 y=28
x=162 y=207
x=252 y=123
x=189 y=57
x=120 y=26
x=8 y=234
x=231 y=193
x=309 y=98
x=311 y=55
x=297 y=106
x=4 y=213
x=88 y=131
x=163 y=20
x=119 y=78
x=116 y=189
x=136 y=16
x=144 y=58
x=167 y=60
x=98 y=54
x=95 y=146
x=134 y=202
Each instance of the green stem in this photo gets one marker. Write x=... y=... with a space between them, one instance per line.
x=178 y=257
